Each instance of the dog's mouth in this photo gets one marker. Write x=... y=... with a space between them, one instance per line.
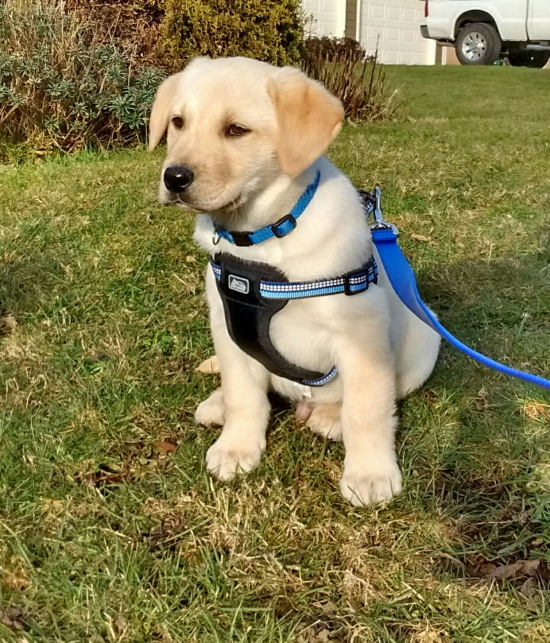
x=211 y=206
x=176 y=198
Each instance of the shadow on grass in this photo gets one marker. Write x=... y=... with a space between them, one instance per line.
x=488 y=437
x=28 y=282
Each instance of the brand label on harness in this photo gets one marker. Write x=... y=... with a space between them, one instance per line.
x=238 y=284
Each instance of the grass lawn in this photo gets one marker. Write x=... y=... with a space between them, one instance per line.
x=109 y=533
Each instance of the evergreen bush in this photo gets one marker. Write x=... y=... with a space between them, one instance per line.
x=269 y=30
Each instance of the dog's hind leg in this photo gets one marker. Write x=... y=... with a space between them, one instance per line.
x=414 y=343
x=209 y=365
x=324 y=419
x=417 y=355
x=211 y=412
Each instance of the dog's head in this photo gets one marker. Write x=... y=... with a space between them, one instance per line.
x=234 y=125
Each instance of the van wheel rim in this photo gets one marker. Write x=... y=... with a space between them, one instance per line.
x=474 y=46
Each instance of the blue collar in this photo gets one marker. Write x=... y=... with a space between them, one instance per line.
x=279 y=229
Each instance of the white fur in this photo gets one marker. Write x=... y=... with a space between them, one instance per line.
x=381 y=350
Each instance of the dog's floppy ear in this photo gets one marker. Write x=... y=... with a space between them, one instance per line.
x=308 y=118
x=160 y=112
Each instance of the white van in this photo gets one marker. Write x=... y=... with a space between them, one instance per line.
x=484 y=30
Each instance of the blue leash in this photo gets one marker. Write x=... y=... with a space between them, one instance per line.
x=403 y=281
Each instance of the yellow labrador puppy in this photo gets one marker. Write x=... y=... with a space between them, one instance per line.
x=245 y=146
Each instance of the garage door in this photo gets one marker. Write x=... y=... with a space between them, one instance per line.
x=329 y=17
x=395 y=24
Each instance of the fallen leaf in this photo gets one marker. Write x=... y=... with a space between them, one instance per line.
x=491 y=571
x=12 y=617
x=536 y=410
x=420 y=237
x=166 y=445
x=486 y=570
x=530 y=567
x=529 y=588
x=97 y=356
x=519 y=568
x=209 y=365
x=104 y=475
x=327 y=606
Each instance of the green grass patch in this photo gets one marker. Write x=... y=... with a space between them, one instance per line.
x=107 y=535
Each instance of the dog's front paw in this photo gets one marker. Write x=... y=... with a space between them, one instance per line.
x=225 y=457
x=211 y=412
x=363 y=488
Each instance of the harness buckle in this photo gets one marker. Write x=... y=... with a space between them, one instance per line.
x=242 y=238
x=282 y=233
x=347 y=283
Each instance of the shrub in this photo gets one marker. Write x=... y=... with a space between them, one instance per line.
x=270 y=30
x=332 y=49
x=133 y=25
x=359 y=83
x=168 y=33
x=61 y=87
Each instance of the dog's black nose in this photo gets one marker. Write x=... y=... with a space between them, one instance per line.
x=178 y=177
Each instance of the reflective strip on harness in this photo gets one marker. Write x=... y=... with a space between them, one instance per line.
x=351 y=283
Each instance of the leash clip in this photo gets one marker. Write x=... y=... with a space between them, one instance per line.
x=379 y=222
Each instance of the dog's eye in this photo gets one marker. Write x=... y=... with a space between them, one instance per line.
x=236 y=130
x=177 y=122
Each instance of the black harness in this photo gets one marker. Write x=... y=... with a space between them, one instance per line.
x=253 y=292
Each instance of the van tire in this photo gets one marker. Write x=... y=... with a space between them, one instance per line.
x=478 y=43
